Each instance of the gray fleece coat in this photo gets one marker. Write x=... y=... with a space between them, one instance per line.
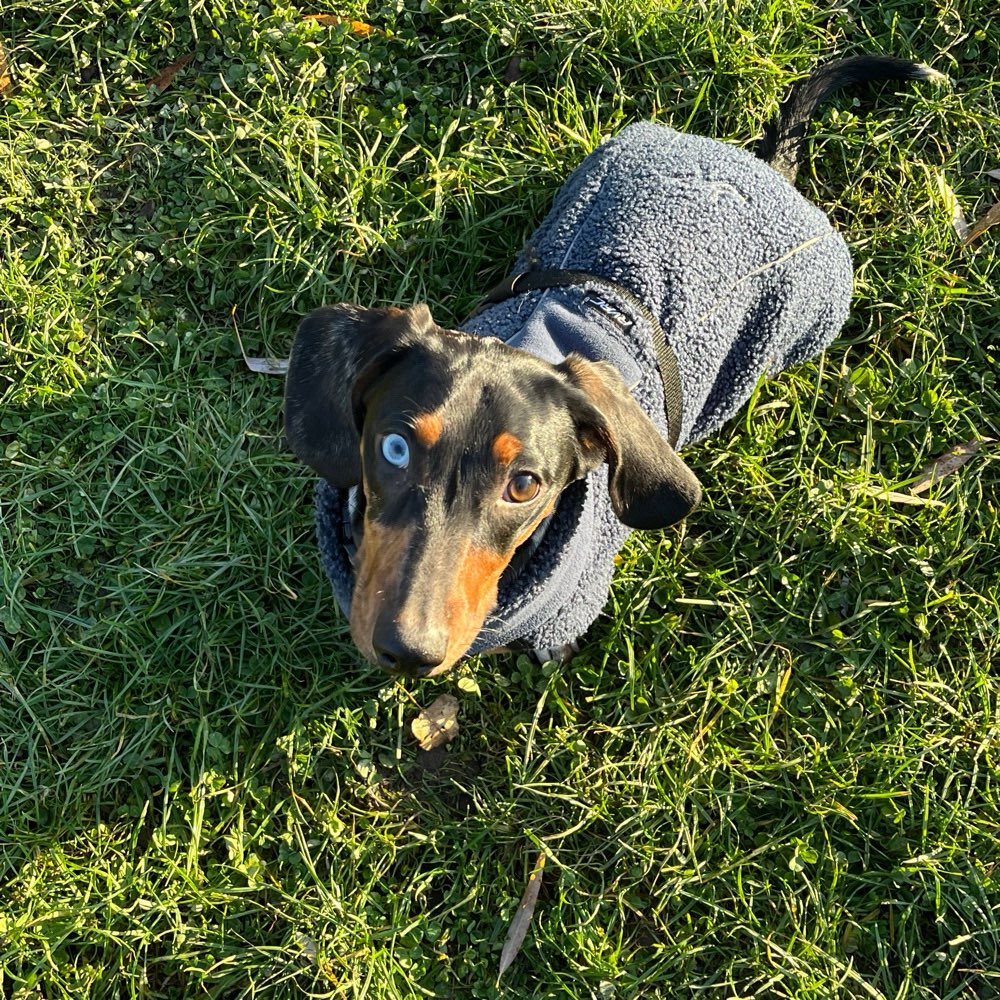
x=746 y=278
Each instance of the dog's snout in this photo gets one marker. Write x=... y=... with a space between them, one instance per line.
x=402 y=653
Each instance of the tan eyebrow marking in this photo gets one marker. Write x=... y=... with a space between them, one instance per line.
x=427 y=428
x=506 y=448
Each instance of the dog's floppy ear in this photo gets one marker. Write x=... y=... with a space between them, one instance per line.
x=333 y=346
x=650 y=486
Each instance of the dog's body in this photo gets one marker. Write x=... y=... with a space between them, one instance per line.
x=467 y=466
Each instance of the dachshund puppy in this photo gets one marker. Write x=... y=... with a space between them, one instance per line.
x=477 y=483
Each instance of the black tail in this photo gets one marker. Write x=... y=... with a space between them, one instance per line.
x=785 y=134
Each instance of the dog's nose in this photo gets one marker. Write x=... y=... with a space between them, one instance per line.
x=402 y=654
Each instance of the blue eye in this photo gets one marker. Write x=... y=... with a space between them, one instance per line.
x=395 y=450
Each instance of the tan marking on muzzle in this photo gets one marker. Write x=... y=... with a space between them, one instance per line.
x=379 y=559
x=471 y=599
x=471 y=593
x=475 y=592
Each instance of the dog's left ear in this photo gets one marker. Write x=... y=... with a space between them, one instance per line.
x=336 y=349
x=650 y=486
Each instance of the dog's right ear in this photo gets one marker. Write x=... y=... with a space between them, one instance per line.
x=333 y=346
x=648 y=483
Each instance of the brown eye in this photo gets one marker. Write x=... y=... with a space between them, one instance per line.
x=522 y=488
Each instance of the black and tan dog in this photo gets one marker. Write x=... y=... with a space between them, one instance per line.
x=464 y=502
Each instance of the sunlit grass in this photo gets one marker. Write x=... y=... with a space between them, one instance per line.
x=772 y=770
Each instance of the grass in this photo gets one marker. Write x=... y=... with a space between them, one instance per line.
x=772 y=771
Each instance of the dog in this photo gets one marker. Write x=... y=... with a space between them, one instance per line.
x=477 y=483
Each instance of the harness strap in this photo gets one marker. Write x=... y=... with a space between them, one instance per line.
x=530 y=281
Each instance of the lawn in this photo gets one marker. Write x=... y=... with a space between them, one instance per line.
x=772 y=770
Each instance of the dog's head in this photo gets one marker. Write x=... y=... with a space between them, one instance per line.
x=460 y=447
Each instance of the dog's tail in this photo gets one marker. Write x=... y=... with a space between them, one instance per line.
x=784 y=134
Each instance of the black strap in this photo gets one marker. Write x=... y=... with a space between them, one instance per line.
x=530 y=281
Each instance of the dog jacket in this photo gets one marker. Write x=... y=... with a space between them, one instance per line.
x=746 y=278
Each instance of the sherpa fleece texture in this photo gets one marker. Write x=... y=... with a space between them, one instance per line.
x=746 y=278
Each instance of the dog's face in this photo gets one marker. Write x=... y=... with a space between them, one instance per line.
x=460 y=446
x=461 y=459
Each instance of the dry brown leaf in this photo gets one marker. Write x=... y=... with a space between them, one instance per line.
x=6 y=80
x=267 y=366
x=437 y=724
x=988 y=219
x=357 y=27
x=946 y=464
x=163 y=80
x=519 y=925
